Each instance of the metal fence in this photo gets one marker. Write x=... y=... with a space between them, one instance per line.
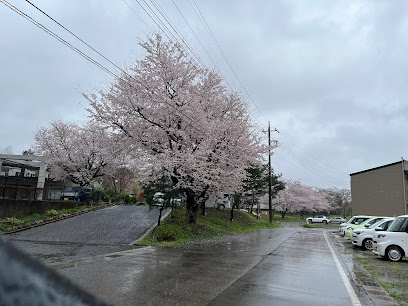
x=25 y=188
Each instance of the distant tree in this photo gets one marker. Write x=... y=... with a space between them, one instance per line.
x=140 y=196
x=28 y=152
x=120 y=180
x=255 y=184
x=340 y=200
x=299 y=198
x=184 y=121
x=80 y=153
x=7 y=150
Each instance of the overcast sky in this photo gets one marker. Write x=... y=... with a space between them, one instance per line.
x=331 y=76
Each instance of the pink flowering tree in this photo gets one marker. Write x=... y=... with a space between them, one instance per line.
x=80 y=153
x=181 y=121
x=298 y=198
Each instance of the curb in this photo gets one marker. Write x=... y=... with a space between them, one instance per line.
x=364 y=281
x=150 y=229
x=59 y=218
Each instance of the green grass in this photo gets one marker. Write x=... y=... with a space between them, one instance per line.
x=215 y=223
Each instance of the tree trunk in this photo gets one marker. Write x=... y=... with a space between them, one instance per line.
x=232 y=213
x=160 y=214
x=203 y=208
x=192 y=206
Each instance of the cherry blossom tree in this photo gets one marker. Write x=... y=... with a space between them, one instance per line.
x=80 y=153
x=299 y=198
x=182 y=121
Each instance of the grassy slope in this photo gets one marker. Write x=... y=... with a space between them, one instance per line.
x=215 y=223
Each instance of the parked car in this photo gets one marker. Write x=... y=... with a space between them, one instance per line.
x=318 y=219
x=337 y=220
x=158 y=199
x=392 y=243
x=77 y=193
x=353 y=220
x=349 y=230
x=363 y=237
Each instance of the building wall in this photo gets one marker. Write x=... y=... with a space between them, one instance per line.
x=378 y=191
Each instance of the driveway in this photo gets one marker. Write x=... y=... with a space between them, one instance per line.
x=103 y=231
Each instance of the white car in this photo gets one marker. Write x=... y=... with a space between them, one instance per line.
x=392 y=243
x=363 y=237
x=354 y=220
x=318 y=219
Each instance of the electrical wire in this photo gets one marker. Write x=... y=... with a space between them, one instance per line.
x=309 y=167
x=26 y=16
x=330 y=168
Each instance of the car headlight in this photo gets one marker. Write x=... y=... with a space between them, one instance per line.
x=358 y=232
x=349 y=228
x=381 y=236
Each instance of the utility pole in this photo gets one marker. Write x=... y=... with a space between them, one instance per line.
x=271 y=212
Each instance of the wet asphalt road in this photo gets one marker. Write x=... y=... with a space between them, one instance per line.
x=283 y=266
x=103 y=231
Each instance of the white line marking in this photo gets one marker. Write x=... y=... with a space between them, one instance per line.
x=346 y=281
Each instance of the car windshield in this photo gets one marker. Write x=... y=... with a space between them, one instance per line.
x=375 y=224
x=359 y=220
x=351 y=220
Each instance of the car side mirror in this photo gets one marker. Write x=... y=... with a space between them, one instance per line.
x=356 y=223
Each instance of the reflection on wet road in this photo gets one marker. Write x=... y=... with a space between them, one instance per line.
x=284 y=266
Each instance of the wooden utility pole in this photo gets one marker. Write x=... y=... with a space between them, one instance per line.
x=271 y=212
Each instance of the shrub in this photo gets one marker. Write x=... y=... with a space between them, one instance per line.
x=12 y=221
x=167 y=232
x=98 y=195
x=126 y=198
x=51 y=212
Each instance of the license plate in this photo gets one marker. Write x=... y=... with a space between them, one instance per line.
x=65 y=199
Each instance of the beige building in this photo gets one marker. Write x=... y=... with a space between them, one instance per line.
x=380 y=191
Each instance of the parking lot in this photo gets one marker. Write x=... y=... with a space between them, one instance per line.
x=392 y=276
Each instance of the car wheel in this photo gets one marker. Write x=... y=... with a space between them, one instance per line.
x=394 y=253
x=324 y=221
x=368 y=244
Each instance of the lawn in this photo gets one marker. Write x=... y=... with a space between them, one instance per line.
x=215 y=223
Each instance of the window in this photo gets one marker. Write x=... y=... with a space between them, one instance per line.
x=399 y=225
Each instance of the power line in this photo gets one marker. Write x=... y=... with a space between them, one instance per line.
x=15 y=9
x=330 y=168
x=309 y=167
x=183 y=44
x=207 y=27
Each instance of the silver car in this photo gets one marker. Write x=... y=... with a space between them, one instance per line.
x=337 y=220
